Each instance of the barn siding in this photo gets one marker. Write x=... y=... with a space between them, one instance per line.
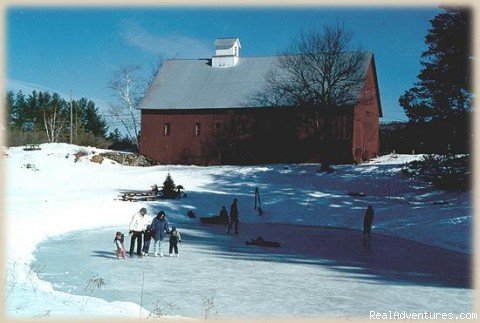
x=183 y=147
x=366 y=120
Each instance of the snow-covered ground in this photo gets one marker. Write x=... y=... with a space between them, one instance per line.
x=55 y=195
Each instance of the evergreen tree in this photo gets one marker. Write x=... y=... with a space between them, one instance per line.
x=50 y=113
x=31 y=112
x=10 y=107
x=94 y=123
x=443 y=89
x=169 y=188
x=114 y=136
x=20 y=110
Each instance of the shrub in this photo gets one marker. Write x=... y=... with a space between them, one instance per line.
x=88 y=139
x=448 y=172
x=79 y=154
x=18 y=137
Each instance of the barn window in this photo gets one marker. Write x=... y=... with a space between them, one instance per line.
x=166 y=129
x=197 y=129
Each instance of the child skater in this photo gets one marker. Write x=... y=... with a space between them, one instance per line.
x=175 y=238
x=147 y=237
x=120 y=251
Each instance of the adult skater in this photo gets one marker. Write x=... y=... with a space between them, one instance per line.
x=159 y=227
x=367 y=226
x=137 y=227
x=233 y=216
x=367 y=221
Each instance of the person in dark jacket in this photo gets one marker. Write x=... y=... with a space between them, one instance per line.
x=223 y=216
x=233 y=216
x=160 y=227
x=175 y=238
x=147 y=237
x=368 y=220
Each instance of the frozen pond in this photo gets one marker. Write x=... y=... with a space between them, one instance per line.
x=317 y=272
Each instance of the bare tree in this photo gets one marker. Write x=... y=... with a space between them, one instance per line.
x=53 y=125
x=53 y=120
x=127 y=87
x=155 y=68
x=319 y=74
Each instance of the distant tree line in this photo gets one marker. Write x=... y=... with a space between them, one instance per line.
x=434 y=137
x=42 y=116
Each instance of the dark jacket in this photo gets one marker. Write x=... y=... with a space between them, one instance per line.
x=148 y=234
x=175 y=237
x=368 y=220
x=234 y=212
x=160 y=227
x=223 y=216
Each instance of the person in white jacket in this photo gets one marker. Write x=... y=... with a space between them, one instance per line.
x=137 y=227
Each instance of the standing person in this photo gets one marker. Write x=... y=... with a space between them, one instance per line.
x=118 y=240
x=367 y=226
x=223 y=216
x=368 y=220
x=159 y=227
x=233 y=216
x=137 y=227
x=147 y=237
x=175 y=238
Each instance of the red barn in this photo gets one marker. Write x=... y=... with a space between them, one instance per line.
x=200 y=112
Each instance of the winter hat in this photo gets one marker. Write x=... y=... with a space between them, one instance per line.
x=118 y=233
x=159 y=214
x=174 y=228
x=143 y=210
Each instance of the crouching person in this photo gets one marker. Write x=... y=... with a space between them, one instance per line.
x=175 y=238
x=159 y=227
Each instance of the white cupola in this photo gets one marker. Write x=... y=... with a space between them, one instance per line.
x=226 y=52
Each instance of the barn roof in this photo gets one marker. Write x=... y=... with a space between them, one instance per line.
x=194 y=84
x=225 y=43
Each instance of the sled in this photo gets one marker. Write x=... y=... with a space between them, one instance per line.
x=262 y=243
x=212 y=220
x=357 y=194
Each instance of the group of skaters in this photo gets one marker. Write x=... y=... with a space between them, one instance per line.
x=159 y=229
x=140 y=232
x=232 y=221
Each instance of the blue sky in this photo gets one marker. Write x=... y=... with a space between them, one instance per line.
x=62 y=49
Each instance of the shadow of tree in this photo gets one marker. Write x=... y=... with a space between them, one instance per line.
x=389 y=259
